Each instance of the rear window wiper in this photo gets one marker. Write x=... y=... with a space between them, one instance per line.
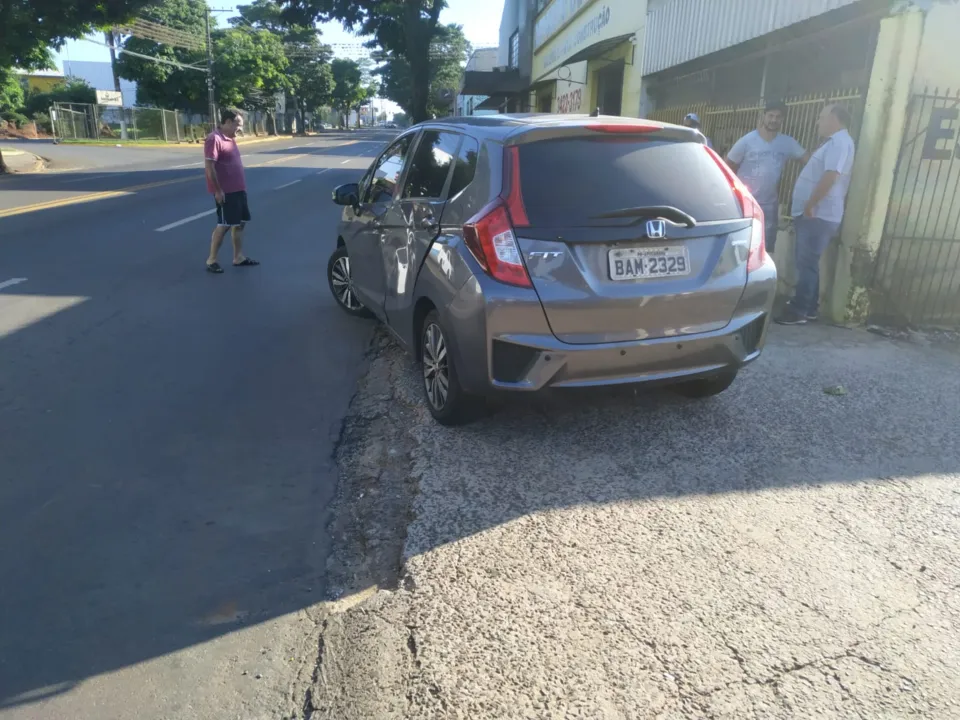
x=666 y=212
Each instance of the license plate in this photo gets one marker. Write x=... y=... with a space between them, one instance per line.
x=649 y=262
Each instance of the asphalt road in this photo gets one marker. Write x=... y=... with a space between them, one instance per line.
x=166 y=451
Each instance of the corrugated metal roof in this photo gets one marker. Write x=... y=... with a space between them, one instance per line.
x=683 y=30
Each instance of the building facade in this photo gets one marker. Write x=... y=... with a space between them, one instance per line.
x=481 y=60
x=891 y=63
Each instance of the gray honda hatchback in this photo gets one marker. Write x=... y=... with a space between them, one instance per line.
x=523 y=252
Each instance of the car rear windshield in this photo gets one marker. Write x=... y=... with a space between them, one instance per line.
x=568 y=182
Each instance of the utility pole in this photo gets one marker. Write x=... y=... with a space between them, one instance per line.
x=112 y=39
x=210 y=98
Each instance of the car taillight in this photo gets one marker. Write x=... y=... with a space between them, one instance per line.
x=624 y=127
x=489 y=234
x=750 y=209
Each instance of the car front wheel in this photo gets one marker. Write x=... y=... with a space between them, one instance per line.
x=341 y=284
x=446 y=399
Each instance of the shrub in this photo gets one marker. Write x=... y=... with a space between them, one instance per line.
x=18 y=119
x=43 y=122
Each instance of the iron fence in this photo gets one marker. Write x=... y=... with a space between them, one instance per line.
x=724 y=125
x=917 y=272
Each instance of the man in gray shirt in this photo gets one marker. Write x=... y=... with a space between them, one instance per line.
x=759 y=158
x=818 y=205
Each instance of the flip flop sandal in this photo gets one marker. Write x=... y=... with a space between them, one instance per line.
x=214 y=268
x=246 y=262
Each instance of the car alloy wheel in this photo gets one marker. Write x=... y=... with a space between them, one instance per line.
x=343 y=284
x=436 y=368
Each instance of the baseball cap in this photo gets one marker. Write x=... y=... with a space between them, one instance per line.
x=694 y=117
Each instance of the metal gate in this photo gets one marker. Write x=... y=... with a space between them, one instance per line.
x=916 y=278
x=727 y=124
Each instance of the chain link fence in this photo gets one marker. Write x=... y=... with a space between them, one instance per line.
x=76 y=121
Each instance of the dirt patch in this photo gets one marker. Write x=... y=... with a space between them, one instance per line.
x=363 y=657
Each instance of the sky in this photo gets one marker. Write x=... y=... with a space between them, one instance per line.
x=480 y=20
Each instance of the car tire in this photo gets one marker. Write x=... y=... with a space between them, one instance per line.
x=705 y=387
x=341 y=284
x=445 y=397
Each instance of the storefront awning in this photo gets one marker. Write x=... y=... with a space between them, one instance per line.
x=492 y=103
x=494 y=82
x=598 y=49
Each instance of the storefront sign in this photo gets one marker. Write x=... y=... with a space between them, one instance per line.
x=555 y=17
x=109 y=97
x=593 y=26
x=571 y=88
x=941 y=142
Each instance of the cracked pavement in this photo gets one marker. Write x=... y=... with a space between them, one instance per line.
x=776 y=552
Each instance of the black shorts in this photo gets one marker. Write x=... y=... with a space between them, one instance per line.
x=234 y=212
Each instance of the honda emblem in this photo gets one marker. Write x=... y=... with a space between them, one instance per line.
x=656 y=229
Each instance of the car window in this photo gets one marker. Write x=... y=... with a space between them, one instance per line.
x=568 y=182
x=386 y=175
x=465 y=167
x=431 y=165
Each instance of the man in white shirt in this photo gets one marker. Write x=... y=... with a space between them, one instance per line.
x=818 y=206
x=759 y=158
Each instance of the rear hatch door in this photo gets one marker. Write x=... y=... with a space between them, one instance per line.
x=630 y=236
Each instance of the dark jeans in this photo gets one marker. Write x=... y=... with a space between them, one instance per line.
x=813 y=236
x=771 y=223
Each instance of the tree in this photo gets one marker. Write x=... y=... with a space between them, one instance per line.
x=249 y=68
x=449 y=52
x=11 y=93
x=28 y=28
x=403 y=30
x=164 y=85
x=310 y=79
x=348 y=92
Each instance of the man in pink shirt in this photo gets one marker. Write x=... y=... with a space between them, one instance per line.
x=226 y=183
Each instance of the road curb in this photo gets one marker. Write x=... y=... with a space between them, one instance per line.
x=38 y=164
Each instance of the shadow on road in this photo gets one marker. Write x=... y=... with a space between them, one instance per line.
x=167 y=434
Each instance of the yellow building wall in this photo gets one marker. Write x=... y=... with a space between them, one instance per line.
x=42 y=83
x=592 y=22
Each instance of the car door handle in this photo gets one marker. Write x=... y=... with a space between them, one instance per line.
x=428 y=223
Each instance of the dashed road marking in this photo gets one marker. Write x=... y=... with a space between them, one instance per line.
x=286 y=185
x=11 y=282
x=178 y=223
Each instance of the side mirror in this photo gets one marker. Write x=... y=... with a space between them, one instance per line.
x=348 y=194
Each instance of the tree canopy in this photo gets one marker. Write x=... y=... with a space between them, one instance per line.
x=403 y=30
x=308 y=72
x=161 y=84
x=448 y=54
x=29 y=27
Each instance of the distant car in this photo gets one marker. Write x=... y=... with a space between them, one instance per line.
x=518 y=253
x=391 y=126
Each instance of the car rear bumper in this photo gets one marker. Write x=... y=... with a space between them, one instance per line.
x=502 y=342
x=534 y=363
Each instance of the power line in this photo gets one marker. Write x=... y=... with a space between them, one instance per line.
x=164 y=34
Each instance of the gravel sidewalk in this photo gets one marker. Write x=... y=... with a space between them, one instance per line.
x=786 y=550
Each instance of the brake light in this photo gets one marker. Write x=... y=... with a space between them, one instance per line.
x=511 y=187
x=750 y=209
x=489 y=235
x=624 y=127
